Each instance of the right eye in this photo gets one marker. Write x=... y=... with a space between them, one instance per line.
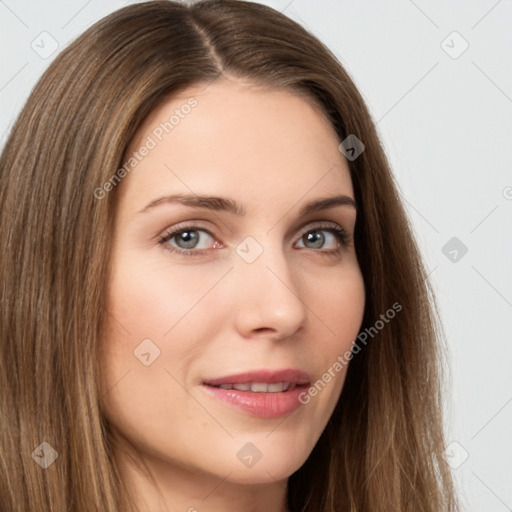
x=190 y=240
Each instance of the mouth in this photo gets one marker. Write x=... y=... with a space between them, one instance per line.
x=262 y=393
x=260 y=387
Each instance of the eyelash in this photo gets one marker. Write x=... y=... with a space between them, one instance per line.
x=340 y=234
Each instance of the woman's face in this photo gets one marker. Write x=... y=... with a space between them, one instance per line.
x=263 y=297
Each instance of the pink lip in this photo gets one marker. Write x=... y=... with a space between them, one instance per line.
x=263 y=405
x=268 y=376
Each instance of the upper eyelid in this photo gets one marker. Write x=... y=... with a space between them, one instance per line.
x=192 y=225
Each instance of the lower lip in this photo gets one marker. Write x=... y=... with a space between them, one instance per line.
x=263 y=405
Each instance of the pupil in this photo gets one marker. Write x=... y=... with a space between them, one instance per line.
x=317 y=239
x=187 y=239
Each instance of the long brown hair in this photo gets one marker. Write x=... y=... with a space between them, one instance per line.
x=382 y=448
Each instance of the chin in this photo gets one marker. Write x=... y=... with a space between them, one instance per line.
x=266 y=460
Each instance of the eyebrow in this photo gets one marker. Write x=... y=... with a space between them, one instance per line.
x=229 y=205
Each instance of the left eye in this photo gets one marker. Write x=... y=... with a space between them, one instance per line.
x=315 y=239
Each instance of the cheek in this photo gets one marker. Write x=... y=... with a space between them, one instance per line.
x=158 y=310
x=150 y=320
x=337 y=305
x=339 y=308
x=151 y=300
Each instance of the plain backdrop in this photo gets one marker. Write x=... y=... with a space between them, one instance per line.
x=437 y=78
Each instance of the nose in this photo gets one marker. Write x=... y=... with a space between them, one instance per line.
x=268 y=297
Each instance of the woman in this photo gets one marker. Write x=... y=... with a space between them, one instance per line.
x=198 y=220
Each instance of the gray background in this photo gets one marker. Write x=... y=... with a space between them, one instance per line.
x=444 y=113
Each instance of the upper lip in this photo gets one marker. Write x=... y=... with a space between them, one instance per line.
x=291 y=375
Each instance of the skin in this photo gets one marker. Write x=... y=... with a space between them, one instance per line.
x=214 y=314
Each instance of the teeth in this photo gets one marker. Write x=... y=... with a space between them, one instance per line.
x=278 y=387
x=260 y=387
x=242 y=387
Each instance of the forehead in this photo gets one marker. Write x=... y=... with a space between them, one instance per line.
x=239 y=139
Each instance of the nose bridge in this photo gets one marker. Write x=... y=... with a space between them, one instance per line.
x=270 y=294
